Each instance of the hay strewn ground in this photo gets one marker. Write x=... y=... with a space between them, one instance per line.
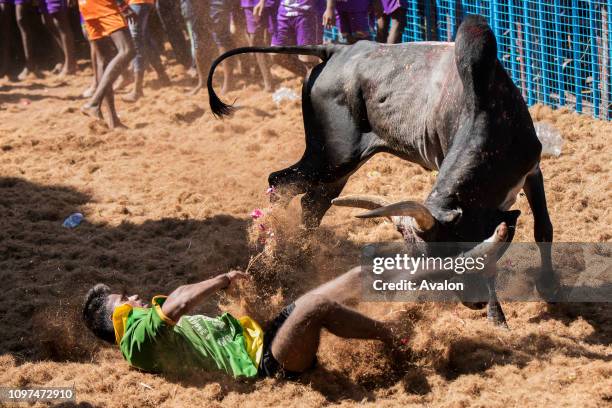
x=168 y=202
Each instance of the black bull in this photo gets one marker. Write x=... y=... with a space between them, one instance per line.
x=449 y=107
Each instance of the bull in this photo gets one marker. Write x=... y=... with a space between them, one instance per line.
x=449 y=107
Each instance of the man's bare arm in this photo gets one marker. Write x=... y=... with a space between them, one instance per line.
x=186 y=297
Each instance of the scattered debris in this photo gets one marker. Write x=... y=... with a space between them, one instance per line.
x=73 y=220
x=551 y=139
x=284 y=94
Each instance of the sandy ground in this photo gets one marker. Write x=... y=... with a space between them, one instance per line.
x=168 y=201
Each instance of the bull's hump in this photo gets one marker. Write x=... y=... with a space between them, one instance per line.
x=402 y=98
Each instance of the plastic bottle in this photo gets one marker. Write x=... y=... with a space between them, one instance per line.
x=284 y=94
x=551 y=139
x=73 y=220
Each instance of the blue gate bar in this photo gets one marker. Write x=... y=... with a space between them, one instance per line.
x=527 y=53
x=594 y=59
x=609 y=107
x=543 y=53
x=513 y=42
x=559 y=63
x=576 y=55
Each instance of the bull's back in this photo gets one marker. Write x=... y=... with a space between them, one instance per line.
x=405 y=90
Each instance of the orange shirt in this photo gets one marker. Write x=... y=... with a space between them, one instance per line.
x=92 y=9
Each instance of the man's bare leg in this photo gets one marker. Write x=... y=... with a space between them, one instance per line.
x=87 y=93
x=347 y=287
x=228 y=73
x=297 y=341
x=202 y=39
x=398 y=23
x=60 y=20
x=103 y=52
x=292 y=64
x=125 y=53
x=262 y=60
x=6 y=15
x=22 y=13
x=59 y=26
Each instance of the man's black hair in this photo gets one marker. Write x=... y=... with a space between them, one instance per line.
x=96 y=315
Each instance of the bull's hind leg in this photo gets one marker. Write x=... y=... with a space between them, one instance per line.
x=335 y=148
x=495 y=314
x=547 y=283
x=311 y=175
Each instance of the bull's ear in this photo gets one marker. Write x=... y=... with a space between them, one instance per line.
x=421 y=214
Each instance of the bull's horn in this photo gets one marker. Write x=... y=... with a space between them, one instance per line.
x=418 y=211
x=367 y=202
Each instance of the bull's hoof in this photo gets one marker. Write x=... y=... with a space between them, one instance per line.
x=549 y=289
x=495 y=315
x=475 y=305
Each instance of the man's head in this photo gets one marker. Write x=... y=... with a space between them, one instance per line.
x=98 y=310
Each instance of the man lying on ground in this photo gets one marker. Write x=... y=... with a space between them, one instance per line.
x=161 y=337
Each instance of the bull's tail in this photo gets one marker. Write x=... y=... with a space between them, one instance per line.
x=219 y=108
x=476 y=57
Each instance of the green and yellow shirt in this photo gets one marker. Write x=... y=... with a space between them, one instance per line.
x=150 y=341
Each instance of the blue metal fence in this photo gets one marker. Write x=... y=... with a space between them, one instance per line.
x=558 y=52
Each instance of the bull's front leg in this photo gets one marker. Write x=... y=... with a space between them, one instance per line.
x=495 y=314
x=547 y=283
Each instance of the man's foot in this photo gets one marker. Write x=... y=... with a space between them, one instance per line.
x=132 y=96
x=88 y=92
x=28 y=74
x=500 y=234
x=227 y=87
x=195 y=90
x=115 y=123
x=163 y=80
x=123 y=81
x=68 y=70
x=92 y=111
x=268 y=87
x=57 y=68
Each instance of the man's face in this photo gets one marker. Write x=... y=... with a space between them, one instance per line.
x=118 y=299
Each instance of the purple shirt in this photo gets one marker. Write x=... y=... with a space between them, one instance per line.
x=352 y=6
x=292 y=8
x=253 y=3
x=389 y=6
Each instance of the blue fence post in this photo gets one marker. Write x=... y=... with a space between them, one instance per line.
x=439 y=28
x=453 y=18
x=528 y=68
x=609 y=12
x=576 y=55
x=594 y=58
x=415 y=21
x=513 y=45
x=494 y=19
x=559 y=54
x=543 y=55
